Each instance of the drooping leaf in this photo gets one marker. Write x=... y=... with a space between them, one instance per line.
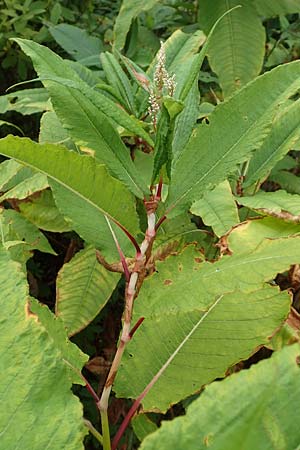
x=129 y=10
x=8 y=170
x=246 y=236
x=42 y=211
x=279 y=203
x=36 y=383
x=27 y=101
x=78 y=43
x=87 y=184
x=83 y=287
x=236 y=128
x=269 y=8
x=15 y=227
x=29 y=186
x=287 y=180
x=80 y=110
x=217 y=209
x=267 y=396
x=284 y=134
x=201 y=318
x=237 y=47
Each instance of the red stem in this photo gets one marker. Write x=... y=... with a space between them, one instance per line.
x=161 y=220
x=136 y=326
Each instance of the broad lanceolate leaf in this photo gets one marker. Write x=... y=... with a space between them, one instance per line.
x=36 y=382
x=279 y=203
x=83 y=111
x=267 y=396
x=269 y=8
x=81 y=176
x=237 y=127
x=130 y=9
x=217 y=209
x=236 y=49
x=83 y=287
x=284 y=134
x=205 y=317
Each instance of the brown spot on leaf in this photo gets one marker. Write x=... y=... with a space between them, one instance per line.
x=180 y=267
x=298 y=360
x=168 y=282
x=29 y=314
x=198 y=260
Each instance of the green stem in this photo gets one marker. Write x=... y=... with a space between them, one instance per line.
x=105 y=430
x=93 y=431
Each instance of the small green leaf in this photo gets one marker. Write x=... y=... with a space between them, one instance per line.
x=83 y=287
x=217 y=209
x=279 y=203
x=42 y=211
x=78 y=43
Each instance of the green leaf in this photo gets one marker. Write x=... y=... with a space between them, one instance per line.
x=42 y=211
x=201 y=318
x=29 y=186
x=27 y=101
x=269 y=8
x=78 y=43
x=129 y=10
x=279 y=203
x=217 y=209
x=268 y=397
x=236 y=128
x=36 y=383
x=87 y=183
x=284 y=134
x=83 y=288
x=237 y=47
x=80 y=110
x=287 y=181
